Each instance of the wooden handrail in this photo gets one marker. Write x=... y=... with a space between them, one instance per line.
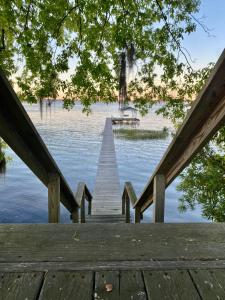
x=19 y=133
x=205 y=117
x=129 y=196
x=83 y=194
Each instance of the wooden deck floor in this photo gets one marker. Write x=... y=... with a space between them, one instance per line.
x=132 y=261
x=106 y=195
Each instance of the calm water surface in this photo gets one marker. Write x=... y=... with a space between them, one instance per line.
x=74 y=141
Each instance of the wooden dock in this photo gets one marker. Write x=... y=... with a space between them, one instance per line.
x=112 y=261
x=131 y=261
x=107 y=196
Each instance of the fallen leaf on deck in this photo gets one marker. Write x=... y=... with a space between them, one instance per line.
x=76 y=237
x=109 y=287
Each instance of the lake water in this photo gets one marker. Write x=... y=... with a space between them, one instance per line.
x=74 y=141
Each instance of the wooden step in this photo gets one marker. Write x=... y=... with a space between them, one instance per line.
x=105 y=219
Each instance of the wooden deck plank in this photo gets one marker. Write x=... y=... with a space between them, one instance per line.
x=67 y=286
x=112 y=265
x=111 y=242
x=107 y=285
x=20 y=286
x=106 y=195
x=210 y=283
x=105 y=219
x=169 y=285
x=132 y=286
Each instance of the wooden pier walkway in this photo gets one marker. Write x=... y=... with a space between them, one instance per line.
x=107 y=196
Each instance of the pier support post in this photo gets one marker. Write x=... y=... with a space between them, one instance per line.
x=82 y=209
x=89 y=207
x=75 y=215
x=54 y=198
x=137 y=217
x=159 y=198
x=123 y=205
x=127 y=202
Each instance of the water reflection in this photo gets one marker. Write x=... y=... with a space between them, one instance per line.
x=2 y=167
x=74 y=141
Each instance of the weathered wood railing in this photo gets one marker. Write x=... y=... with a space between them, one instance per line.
x=129 y=197
x=205 y=117
x=20 y=134
x=82 y=194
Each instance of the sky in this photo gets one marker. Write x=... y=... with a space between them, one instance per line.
x=204 y=49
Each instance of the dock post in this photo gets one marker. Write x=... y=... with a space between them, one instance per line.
x=127 y=201
x=54 y=198
x=82 y=209
x=159 y=198
x=137 y=217
x=75 y=215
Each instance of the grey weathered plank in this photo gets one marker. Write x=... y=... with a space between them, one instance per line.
x=132 y=286
x=159 y=198
x=167 y=285
x=54 y=199
x=67 y=286
x=112 y=265
x=210 y=283
x=106 y=195
x=102 y=282
x=111 y=242
x=105 y=219
x=20 y=286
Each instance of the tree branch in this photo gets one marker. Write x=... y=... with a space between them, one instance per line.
x=103 y=30
x=202 y=25
x=3 y=40
x=172 y=35
x=64 y=18
x=27 y=15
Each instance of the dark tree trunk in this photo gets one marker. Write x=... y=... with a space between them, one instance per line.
x=123 y=80
x=2 y=161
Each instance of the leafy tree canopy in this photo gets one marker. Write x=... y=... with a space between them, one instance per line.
x=84 y=39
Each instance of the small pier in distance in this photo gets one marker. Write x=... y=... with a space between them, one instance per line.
x=92 y=260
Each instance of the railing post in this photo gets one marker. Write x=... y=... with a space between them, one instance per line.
x=127 y=201
x=75 y=215
x=53 y=198
x=159 y=198
x=82 y=209
x=123 y=204
x=137 y=217
x=89 y=207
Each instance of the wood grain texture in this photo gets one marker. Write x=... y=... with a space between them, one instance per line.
x=170 y=285
x=54 y=198
x=20 y=286
x=210 y=283
x=112 y=265
x=114 y=285
x=159 y=198
x=132 y=286
x=111 y=242
x=105 y=219
x=205 y=117
x=106 y=195
x=67 y=286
